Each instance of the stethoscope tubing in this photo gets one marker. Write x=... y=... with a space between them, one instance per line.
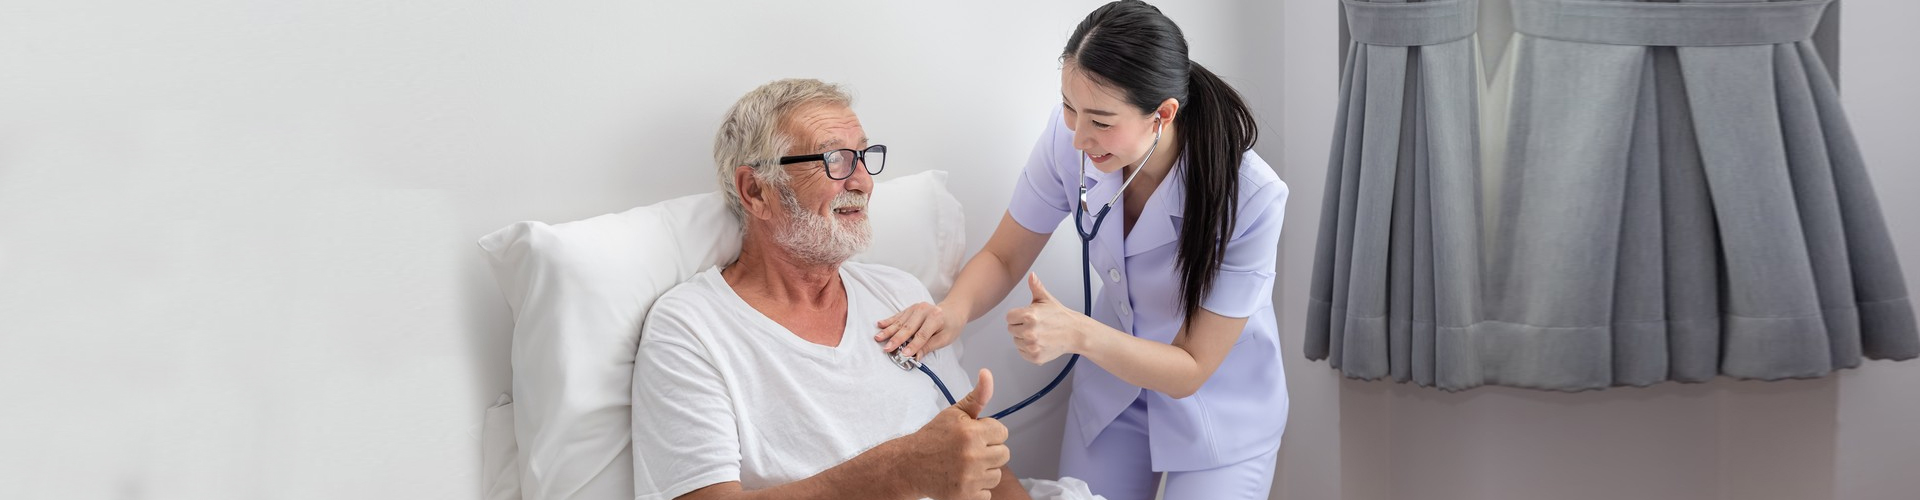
x=1086 y=276
x=1086 y=293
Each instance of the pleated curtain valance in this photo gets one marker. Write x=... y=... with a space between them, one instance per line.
x=1664 y=191
x=1669 y=24
x=1411 y=24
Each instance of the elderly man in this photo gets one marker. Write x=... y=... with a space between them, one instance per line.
x=761 y=379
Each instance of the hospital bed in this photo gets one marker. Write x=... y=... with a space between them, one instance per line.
x=579 y=291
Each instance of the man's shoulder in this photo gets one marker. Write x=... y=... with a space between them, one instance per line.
x=885 y=278
x=893 y=286
x=700 y=286
x=870 y=270
x=692 y=298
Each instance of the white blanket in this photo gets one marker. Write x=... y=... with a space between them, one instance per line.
x=498 y=459
x=1066 y=488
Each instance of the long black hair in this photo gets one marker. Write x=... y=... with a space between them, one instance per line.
x=1131 y=46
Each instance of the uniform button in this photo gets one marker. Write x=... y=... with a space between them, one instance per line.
x=1113 y=274
x=1125 y=311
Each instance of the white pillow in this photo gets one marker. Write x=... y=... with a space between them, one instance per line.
x=499 y=457
x=579 y=291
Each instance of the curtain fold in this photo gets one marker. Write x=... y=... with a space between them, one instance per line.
x=1398 y=258
x=1677 y=197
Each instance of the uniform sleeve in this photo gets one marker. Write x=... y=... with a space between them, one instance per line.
x=684 y=434
x=1245 y=281
x=1040 y=195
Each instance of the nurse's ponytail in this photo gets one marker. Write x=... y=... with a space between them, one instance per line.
x=1133 y=47
x=1219 y=130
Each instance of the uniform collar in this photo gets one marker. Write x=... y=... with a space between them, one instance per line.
x=1159 y=222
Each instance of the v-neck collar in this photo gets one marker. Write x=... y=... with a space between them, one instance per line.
x=1156 y=226
x=791 y=339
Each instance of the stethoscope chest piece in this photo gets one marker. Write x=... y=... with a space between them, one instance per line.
x=1086 y=281
x=904 y=362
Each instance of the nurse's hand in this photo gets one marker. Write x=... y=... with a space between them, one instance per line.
x=920 y=329
x=1045 y=329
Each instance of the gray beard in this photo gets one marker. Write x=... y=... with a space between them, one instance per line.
x=820 y=239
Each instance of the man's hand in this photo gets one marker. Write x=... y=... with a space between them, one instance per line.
x=958 y=455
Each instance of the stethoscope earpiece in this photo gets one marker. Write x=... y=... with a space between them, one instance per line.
x=1159 y=126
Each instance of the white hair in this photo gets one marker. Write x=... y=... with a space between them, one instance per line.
x=750 y=134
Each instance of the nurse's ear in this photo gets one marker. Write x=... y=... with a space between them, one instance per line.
x=1167 y=110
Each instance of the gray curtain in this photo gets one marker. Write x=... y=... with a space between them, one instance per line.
x=1680 y=198
x=1396 y=278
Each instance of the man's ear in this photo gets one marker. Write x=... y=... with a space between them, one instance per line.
x=755 y=198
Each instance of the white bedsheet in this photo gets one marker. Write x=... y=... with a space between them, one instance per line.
x=498 y=461
x=1066 y=488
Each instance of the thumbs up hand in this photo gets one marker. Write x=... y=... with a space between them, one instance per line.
x=959 y=455
x=1044 y=329
x=1040 y=293
x=976 y=401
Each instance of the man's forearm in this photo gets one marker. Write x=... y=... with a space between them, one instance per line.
x=1009 y=487
x=869 y=475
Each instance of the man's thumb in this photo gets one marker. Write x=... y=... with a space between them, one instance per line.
x=976 y=401
x=1039 y=290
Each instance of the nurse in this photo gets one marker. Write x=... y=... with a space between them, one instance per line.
x=1185 y=375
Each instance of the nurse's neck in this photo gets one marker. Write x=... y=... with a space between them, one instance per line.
x=1156 y=168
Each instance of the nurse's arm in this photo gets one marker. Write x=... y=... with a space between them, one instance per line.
x=993 y=272
x=985 y=280
x=1179 y=368
x=1176 y=369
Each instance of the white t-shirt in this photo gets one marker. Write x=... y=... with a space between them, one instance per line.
x=723 y=393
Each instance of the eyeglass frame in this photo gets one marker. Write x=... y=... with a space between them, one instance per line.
x=859 y=157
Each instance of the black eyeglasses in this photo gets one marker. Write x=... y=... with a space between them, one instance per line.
x=839 y=162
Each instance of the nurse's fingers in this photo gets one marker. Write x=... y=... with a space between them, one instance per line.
x=890 y=338
x=1040 y=293
x=917 y=346
x=897 y=329
x=1019 y=316
x=894 y=320
x=895 y=334
x=1027 y=349
x=886 y=325
x=916 y=325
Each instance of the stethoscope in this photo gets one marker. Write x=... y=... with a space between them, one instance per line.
x=1086 y=278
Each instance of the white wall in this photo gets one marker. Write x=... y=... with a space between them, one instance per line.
x=1877 y=443
x=236 y=253
x=1313 y=457
x=236 y=238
